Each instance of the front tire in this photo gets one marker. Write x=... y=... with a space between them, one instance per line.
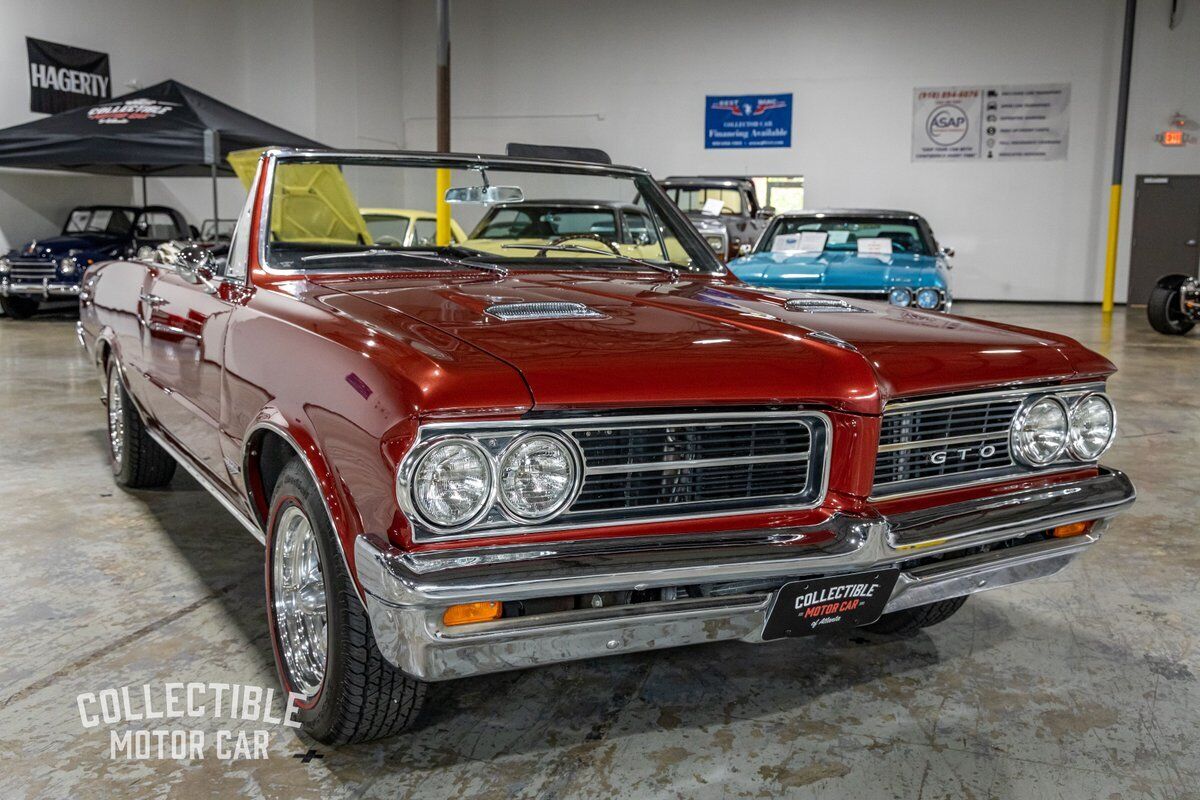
x=1164 y=313
x=137 y=460
x=911 y=620
x=325 y=649
x=19 y=307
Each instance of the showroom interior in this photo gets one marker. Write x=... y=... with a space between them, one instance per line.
x=1040 y=262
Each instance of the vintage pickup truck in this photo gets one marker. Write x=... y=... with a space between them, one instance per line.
x=464 y=460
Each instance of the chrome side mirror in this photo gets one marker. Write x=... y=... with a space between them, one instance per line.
x=766 y=212
x=745 y=250
x=948 y=252
x=193 y=263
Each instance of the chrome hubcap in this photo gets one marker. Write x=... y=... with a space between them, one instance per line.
x=116 y=418
x=298 y=594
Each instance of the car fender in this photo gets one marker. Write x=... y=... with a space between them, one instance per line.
x=1173 y=281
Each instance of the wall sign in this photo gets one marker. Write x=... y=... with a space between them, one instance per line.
x=998 y=123
x=62 y=77
x=748 y=120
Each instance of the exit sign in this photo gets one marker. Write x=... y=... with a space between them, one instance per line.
x=1174 y=138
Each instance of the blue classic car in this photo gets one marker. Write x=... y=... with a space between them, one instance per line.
x=864 y=253
x=48 y=268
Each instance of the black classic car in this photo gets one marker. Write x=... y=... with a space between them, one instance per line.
x=49 y=268
x=736 y=221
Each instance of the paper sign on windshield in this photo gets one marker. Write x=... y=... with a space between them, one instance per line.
x=875 y=246
x=712 y=207
x=803 y=242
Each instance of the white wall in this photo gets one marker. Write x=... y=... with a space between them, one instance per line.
x=316 y=67
x=630 y=77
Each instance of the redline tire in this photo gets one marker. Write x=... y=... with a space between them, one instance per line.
x=361 y=695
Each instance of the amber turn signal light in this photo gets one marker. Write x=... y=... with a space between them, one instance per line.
x=473 y=612
x=1074 y=529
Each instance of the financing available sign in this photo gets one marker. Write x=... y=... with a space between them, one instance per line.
x=996 y=123
x=62 y=77
x=747 y=120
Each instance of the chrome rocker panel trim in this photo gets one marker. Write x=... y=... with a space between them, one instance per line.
x=406 y=593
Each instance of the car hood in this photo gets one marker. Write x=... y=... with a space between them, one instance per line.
x=700 y=341
x=837 y=270
x=56 y=246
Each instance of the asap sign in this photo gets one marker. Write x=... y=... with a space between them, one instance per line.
x=947 y=125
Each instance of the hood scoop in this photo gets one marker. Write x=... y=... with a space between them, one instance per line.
x=513 y=312
x=823 y=305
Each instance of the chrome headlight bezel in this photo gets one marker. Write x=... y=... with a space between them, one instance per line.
x=5 y=265
x=68 y=265
x=1019 y=448
x=900 y=291
x=1073 y=437
x=407 y=483
x=574 y=459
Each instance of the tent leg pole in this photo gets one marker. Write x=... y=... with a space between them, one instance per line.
x=145 y=200
x=216 y=224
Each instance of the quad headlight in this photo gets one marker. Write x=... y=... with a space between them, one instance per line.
x=451 y=483
x=1093 y=427
x=1040 y=431
x=457 y=482
x=900 y=296
x=1046 y=428
x=537 y=476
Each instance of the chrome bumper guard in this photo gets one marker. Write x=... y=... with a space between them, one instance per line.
x=44 y=289
x=407 y=593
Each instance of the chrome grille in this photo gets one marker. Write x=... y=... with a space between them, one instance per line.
x=669 y=466
x=939 y=443
x=639 y=467
x=31 y=270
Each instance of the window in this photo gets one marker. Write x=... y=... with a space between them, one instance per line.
x=390 y=229
x=542 y=222
x=157 y=225
x=425 y=233
x=693 y=198
x=112 y=221
x=845 y=232
x=639 y=229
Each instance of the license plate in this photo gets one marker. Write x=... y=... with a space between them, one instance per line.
x=825 y=605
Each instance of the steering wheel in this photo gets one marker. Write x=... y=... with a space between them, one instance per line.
x=388 y=240
x=590 y=237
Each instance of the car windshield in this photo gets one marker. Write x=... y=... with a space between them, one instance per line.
x=866 y=235
x=701 y=198
x=111 y=221
x=323 y=216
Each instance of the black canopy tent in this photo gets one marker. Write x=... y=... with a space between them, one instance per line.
x=168 y=129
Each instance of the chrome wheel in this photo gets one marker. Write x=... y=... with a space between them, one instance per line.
x=116 y=418
x=298 y=594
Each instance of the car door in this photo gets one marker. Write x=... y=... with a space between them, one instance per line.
x=183 y=335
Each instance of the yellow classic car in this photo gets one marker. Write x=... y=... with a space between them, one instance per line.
x=406 y=227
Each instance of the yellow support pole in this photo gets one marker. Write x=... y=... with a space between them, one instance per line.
x=443 y=209
x=1110 y=258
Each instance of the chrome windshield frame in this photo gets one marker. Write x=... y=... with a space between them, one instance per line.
x=656 y=200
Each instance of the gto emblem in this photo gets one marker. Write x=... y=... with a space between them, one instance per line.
x=961 y=454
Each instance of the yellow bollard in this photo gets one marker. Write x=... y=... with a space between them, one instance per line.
x=443 y=209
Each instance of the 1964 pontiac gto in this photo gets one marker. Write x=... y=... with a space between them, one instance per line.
x=537 y=449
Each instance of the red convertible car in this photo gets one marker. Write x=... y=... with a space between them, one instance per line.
x=467 y=458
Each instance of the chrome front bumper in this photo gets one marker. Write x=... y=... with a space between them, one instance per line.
x=45 y=288
x=407 y=593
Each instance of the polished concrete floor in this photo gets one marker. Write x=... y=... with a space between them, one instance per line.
x=1081 y=686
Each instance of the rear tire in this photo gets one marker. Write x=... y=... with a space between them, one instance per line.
x=19 y=307
x=352 y=693
x=1164 y=313
x=911 y=620
x=137 y=460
